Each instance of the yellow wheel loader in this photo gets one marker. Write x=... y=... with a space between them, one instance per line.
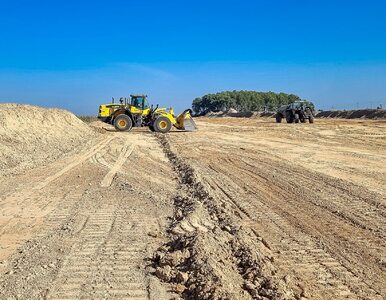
x=136 y=112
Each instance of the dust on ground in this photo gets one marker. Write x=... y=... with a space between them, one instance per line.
x=240 y=209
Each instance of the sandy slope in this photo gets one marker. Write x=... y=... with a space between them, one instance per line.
x=31 y=136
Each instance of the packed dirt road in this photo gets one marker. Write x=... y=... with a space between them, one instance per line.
x=240 y=209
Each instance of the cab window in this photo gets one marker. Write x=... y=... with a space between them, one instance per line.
x=137 y=102
x=145 y=104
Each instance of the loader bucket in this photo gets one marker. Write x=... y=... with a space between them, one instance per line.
x=185 y=121
x=189 y=124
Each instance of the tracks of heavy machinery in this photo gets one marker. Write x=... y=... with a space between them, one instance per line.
x=304 y=205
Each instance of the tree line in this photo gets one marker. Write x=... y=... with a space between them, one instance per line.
x=242 y=101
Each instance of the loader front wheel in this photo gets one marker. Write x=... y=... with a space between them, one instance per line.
x=123 y=123
x=162 y=124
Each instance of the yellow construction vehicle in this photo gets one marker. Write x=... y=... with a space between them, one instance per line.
x=136 y=112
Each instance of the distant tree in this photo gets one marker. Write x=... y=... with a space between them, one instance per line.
x=242 y=101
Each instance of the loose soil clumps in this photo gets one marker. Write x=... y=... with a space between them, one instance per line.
x=206 y=256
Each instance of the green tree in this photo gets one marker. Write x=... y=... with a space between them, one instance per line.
x=242 y=101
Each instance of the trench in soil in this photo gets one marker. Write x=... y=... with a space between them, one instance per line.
x=206 y=256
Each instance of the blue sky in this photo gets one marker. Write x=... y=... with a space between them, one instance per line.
x=77 y=54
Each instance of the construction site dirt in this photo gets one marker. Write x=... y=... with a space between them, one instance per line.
x=239 y=209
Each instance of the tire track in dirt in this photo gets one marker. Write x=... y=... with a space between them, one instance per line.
x=72 y=165
x=364 y=202
x=99 y=265
x=346 y=217
x=95 y=242
x=360 y=163
x=257 y=200
x=126 y=151
x=98 y=158
x=23 y=212
x=347 y=203
x=298 y=254
x=207 y=256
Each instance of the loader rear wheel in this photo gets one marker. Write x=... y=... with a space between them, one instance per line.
x=123 y=123
x=162 y=124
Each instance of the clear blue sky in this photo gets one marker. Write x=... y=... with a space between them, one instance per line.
x=77 y=54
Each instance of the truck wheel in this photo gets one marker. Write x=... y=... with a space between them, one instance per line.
x=162 y=124
x=311 y=119
x=296 y=118
x=289 y=119
x=123 y=123
x=278 y=118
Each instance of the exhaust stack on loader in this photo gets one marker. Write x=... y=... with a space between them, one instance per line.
x=136 y=112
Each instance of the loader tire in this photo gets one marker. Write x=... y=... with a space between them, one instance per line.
x=151 y=128
x=123 y=123
x=311 y=119
x=278 y=118
x=297 y=119
x=162 y=124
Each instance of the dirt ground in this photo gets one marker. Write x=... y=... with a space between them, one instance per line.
x=240 y=209
x=315 y=194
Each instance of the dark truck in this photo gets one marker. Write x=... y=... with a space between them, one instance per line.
x=298 y=111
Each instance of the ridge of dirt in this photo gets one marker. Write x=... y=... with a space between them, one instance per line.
x=206 y=256
x=339 y=114
x=32 y=136
x=353 y=114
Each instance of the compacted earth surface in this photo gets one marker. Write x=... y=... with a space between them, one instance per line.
x=239 y=209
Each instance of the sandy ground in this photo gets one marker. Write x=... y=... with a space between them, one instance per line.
x=82 y=226
x=240 y=209
x=314 y=193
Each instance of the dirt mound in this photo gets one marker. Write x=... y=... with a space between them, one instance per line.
x=354 y=114
x=31 y=136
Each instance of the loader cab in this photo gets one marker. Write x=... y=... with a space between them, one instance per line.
x=139 y=101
